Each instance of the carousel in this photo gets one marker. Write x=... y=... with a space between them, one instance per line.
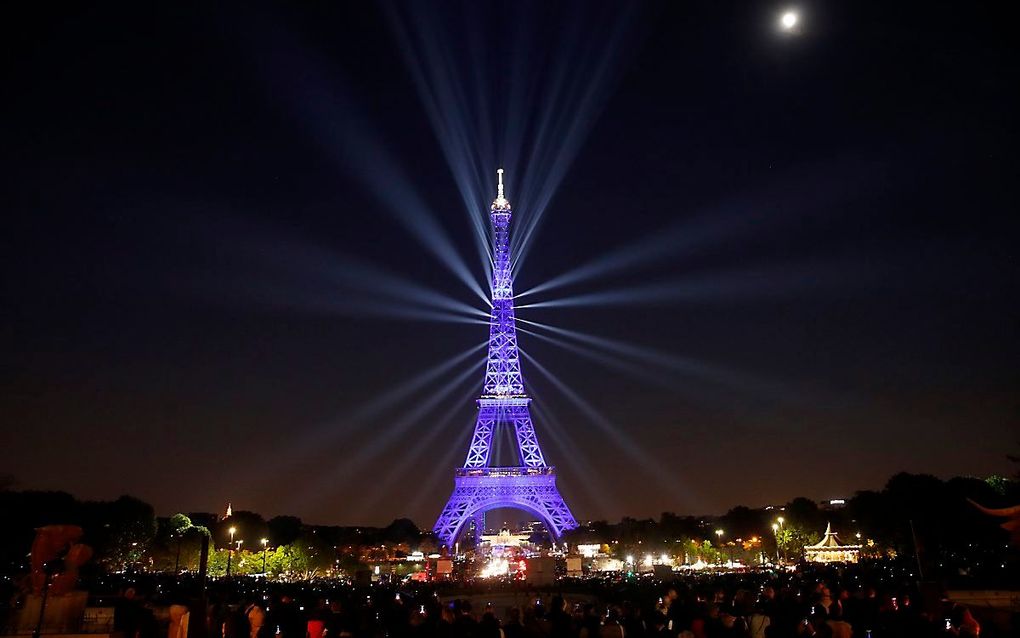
x=830 y=550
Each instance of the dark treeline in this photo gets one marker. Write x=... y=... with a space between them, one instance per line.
x=950 y=533
x=126 y=533
x=912 y=510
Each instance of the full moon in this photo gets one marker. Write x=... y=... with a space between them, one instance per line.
x=789 y=20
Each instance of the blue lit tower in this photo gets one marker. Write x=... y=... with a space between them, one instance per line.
x=479 y=486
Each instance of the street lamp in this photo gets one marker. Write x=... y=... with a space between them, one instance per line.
x=265 y=544
x=177 y=561
x=230 y=549
x=780 y=520
x=775 y=532
x=719 y=533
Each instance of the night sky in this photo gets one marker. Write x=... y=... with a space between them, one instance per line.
x=211 y=214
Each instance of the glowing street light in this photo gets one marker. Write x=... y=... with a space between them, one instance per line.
x=775 y=532
x=230 y=548
x=780 y=520
x=719 y=533
x=265 y=545
x=789 y=20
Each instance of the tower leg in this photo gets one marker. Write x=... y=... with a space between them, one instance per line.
x=478 y=491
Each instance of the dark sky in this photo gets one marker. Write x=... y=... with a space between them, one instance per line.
x=190 y=250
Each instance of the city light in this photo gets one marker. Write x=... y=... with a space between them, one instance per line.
x=494 y=568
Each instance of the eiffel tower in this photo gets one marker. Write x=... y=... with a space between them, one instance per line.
x=478 y=485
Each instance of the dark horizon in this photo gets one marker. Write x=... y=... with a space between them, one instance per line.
x=224 y=243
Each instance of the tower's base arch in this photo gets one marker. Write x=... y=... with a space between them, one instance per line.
x=480 y=490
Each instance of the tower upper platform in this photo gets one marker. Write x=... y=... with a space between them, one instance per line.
x=500 y=203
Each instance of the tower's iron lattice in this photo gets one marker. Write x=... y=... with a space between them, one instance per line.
x=478 y=485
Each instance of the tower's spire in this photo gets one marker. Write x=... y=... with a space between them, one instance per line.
x=500 y=202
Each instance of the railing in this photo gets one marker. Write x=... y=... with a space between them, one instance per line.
x=506 y=471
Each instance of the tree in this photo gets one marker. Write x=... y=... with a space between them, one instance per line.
x=120 y=531
x=401 y=531
x=803 y=512
x=250 y=528
x=284 y=530
x=179 y=525
x=285 y=560
x=742 y=522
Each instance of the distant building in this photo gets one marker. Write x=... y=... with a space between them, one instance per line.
x=830 y=550
x=833 y=504
x=505 y=539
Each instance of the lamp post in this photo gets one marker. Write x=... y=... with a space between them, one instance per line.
x=265 y=545
x=177 y=561
x=775 y=534
x=719 y=534
x=230 y=549
x=781 y=520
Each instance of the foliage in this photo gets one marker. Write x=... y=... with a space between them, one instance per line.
x=178 y=545
x=178 y=524
x=120 y=531
x=286 y=560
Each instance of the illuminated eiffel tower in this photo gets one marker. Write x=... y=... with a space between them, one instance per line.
x=479 y=486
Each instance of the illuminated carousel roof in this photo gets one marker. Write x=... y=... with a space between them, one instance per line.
x=830 y=541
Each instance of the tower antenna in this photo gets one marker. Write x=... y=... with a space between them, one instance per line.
x=500 y=203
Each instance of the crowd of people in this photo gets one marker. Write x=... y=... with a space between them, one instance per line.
x=843 y=603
